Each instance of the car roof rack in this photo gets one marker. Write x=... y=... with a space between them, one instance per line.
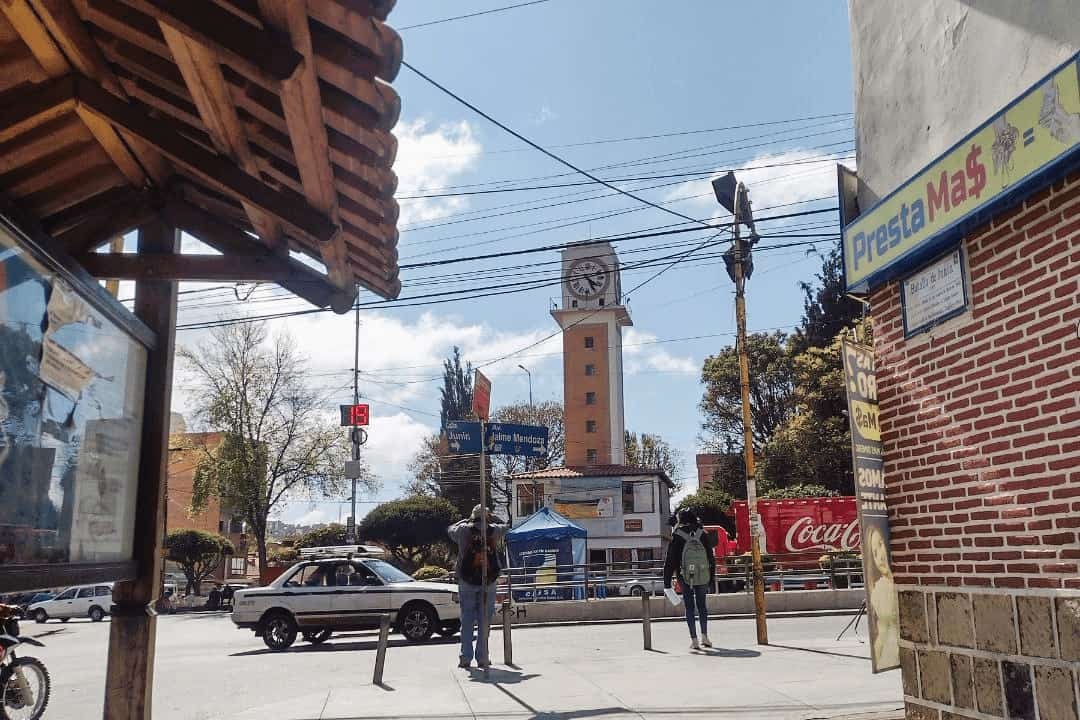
x=338 y=551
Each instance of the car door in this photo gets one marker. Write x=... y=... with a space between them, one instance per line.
x=83 y=600
x=309 y=596
x=62 y=605
x=360 y=603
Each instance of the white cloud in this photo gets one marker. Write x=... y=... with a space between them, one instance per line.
x=393 y=440
x=431 y=158
x=545 y=114
x=639 y=355
x=313 y=517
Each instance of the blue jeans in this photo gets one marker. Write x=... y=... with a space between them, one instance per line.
x=470 y=618
x=695 y=596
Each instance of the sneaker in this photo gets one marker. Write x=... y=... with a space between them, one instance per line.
x=694 y=644
x=463 y=663
x=705 y=641
x=483 y=664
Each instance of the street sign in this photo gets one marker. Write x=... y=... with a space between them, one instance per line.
x=511 y=439
x=354 y=469
x=355 y=415
x=481 y=395
x=350 y=527
x=463 y=437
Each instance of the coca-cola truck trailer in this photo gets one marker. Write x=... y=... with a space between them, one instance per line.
x=796 y=531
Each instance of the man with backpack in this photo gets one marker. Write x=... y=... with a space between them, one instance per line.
x=470 y=570
x=691 y=559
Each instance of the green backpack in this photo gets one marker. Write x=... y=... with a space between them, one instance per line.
x=695 y=558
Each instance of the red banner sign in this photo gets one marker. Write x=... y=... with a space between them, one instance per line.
x=481 y=395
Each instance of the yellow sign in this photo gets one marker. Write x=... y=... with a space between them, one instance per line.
x=1009 y=151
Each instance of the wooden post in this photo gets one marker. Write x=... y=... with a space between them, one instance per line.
x=380 y=653
x=129 y=680
x=646 y=620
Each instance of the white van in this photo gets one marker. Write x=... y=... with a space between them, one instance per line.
x=92 y=601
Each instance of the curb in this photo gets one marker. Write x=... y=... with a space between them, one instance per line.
x=637 y=621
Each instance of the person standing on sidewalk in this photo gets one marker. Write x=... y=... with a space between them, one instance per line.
x=470 y=572
x=690 y=557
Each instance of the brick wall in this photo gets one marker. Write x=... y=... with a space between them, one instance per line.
x=576 y=384
x=981 y=424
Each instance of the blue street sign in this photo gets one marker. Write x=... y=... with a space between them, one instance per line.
x=508 y=439
x=462 y=437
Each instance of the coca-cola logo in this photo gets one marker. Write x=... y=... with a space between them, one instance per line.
x=804 y=535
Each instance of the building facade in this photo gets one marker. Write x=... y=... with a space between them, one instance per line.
x=978 y=384
x=624 y=509
x=592 y=318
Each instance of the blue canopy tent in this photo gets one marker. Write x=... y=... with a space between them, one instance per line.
x=547 y=544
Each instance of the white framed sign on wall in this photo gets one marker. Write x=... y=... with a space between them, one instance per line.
x=934 y=293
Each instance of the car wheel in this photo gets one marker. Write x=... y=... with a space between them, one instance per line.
x=318 y=637
x=637 y=591
x=97 y=614
x=40 y=616
x=417 y=621
x=279 y=631
x=450 y=629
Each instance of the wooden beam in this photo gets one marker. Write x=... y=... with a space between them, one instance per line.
x=241 y=44
x=210 y=268
x=98 y=230
x=294 y=276
x=201 y=70
x=27 y=106
x=129 y=677
x=379 y=40
x=116 y=246
x=302 y=103
x=214 y=170
x=67 y=30
x=90 y=211
x=30 y=28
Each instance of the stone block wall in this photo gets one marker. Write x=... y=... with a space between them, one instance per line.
x=980 y=418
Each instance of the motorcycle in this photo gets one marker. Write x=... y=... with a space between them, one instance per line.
x=24 y=681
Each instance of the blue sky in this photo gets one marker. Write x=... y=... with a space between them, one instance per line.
x=564 y=72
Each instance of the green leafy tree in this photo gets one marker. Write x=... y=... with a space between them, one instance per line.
x=793 y=492
x=323 y=536
x=412 y=529
x=457 y=389
x=278 y=441
x=711 y=506
x=656 y=453
x=198 y=553
x=827 y=308
x=771 y=391
x=425 y=469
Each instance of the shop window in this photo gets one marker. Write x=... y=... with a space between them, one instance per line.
x=238 y=566
x=620 y=559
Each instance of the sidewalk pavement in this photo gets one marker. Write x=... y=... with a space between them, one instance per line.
x=565 y=673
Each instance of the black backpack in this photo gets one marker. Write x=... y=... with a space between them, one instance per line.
x=472 y=561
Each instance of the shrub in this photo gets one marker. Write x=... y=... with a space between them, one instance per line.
x=430 y=572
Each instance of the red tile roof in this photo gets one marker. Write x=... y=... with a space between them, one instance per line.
x=586 y=471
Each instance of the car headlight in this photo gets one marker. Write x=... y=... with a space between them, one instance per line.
x=454 y=598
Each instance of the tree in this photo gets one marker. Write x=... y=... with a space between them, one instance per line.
x=654 y=453
x=277 y=441
x=198 y=553
x=771 y=390
x=548 y=414
x=425 y=468
x=798 y=491
x=457 y=389
x=827 y=309
x=323 y=536
x=729 y=475
x=711 y=506
x=413 y=529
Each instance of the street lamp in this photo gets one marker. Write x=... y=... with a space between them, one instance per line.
x=530 y=382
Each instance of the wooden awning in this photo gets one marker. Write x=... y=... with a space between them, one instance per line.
x=258 y=126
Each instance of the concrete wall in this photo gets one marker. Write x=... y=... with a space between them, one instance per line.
x=929 y=72
x=724 y=604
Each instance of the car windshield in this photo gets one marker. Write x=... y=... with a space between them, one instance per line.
x=387 y=572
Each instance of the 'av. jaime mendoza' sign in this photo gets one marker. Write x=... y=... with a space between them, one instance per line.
x=1007 y=156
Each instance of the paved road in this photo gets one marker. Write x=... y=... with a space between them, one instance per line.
x=208 y=669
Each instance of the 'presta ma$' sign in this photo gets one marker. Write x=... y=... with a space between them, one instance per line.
x=1007 y=155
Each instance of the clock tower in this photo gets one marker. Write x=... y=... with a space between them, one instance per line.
x=592 y=317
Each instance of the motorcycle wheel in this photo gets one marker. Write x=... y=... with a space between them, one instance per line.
x=26 y=700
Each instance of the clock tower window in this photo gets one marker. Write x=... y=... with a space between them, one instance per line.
x=590 y=369
x=590 y=398
x=590 y=426
x=589 y=342
x=590 y=456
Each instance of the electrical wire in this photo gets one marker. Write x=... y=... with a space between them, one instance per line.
x=471 y=15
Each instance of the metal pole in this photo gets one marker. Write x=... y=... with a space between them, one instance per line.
x=748 y=433
x=380 y=653
x=351 y=538
x=485 y=619
x=508 y=646
x=530 y=383
x=646 y=620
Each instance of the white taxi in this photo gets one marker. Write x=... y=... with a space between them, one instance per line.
x=345 y=588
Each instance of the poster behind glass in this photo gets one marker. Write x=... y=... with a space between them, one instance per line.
x=71 y=394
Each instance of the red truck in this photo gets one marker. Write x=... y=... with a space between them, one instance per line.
x=797 y=532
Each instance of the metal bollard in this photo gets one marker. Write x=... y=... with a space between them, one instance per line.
x=508 y=647
x=380 y=654
x=646 y=621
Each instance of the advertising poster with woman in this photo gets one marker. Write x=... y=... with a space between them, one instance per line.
x=868 y=459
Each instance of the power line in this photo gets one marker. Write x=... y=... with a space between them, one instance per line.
x=471 y=15
x=550 y=154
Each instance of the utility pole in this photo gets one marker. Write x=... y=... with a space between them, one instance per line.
x=530 y=382
x=735 y=198
x=351 y=536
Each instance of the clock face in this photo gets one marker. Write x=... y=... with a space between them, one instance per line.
x=588 y=278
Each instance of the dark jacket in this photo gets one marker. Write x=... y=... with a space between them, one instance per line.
x=460 y=532
x=675 y=551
